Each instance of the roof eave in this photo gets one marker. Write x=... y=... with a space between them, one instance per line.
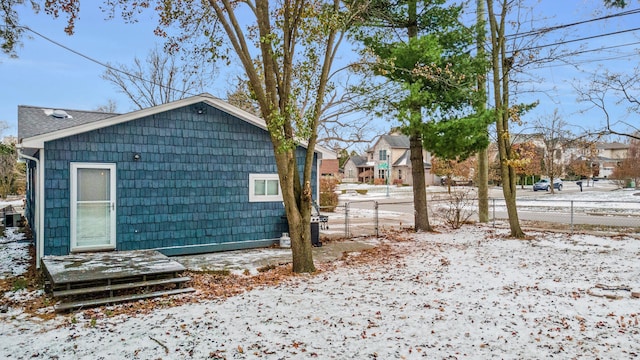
x=38 y=141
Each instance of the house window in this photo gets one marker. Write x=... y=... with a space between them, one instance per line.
x=350 y=173
x=383 y=155
x=264 y=188
x=381 y=173
x=399 y=174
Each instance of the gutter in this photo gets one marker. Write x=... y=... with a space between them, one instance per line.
x=39 y=202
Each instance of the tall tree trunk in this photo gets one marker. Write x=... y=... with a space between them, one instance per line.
x=501 y=66
x=421 y=216
x=297 y=200
x=483 y=160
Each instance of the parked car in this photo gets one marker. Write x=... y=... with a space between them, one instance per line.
x=545 y=185
x=456 y=181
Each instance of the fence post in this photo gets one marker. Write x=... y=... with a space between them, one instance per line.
x=572 y=216
x=346 y=220
x=493 y=204
x=376 y=215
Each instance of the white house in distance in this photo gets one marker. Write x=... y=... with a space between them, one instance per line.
x=389 y=158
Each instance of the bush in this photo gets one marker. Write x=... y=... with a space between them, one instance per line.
x=397 y=182
x=457 y=208
x=328 y=196
x=379 y=181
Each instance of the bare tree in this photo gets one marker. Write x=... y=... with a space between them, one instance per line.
x=12 y=174
x=512 y=56
x=555 y=137
x=345 y=119
x=609 y=89
x=240 y=95
x=109 y=107
x=502 y=64
x=159 y=79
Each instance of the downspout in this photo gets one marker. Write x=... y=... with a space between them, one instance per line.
x=318 y=162
x=39 y=201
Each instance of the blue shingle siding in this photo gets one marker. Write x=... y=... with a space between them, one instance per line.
x=190 y=186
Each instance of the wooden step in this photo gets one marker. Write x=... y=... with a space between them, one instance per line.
x=129 y=285
x=116 y=299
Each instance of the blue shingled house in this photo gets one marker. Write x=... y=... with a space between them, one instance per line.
x=195 y=175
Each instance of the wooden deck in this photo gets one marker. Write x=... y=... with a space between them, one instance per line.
x=89 y=279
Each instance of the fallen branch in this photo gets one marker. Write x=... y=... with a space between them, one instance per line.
x=166 y=349
x=608 y=296
x=609 y=287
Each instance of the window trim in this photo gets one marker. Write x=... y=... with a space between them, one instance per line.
x=263 y=198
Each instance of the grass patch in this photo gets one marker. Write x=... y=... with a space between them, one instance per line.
x=266 y=268
x=19 y=284
x=219 y=273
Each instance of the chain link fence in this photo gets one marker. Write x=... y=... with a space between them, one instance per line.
x=371 y=217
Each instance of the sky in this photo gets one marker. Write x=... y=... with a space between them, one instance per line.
x=471 y=293
x=44 y=74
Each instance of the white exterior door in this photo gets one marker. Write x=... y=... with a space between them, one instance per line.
x=93 y=206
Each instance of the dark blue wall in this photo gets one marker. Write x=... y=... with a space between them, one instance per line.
x=30 y=198
x=190 y=187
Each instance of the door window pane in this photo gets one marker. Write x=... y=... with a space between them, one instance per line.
x=93 y=224
x=93 y=185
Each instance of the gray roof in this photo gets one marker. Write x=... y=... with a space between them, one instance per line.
x=37 y=120
x=612 y=146
x=359 y=160
x=397 y=141
x=37 y=125
x=405 y=160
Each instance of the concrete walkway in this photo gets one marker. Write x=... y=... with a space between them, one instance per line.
x=252 y=259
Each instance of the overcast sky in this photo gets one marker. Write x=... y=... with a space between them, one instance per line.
x=47 y=75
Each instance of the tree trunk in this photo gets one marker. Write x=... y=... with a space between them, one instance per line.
x=298 y=201
x=500 y=64
x=421 y=215
x=301 y=247
x=483 y=186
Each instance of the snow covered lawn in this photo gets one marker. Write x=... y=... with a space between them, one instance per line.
x=471 y=293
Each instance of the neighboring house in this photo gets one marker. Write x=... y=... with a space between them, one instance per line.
x=391 y=158
x=330 y=168
x=358 y=169
x=195 y=175
x=609 y=156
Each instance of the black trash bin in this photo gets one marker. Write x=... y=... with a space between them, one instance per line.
x=315 y=234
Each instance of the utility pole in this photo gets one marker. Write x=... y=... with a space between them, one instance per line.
x=483 y=160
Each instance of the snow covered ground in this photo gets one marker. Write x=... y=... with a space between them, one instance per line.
x=471 y=293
